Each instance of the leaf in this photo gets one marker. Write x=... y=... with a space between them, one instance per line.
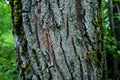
x=118 y=52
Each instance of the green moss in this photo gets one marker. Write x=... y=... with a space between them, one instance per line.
x=16 y=7
x=72 y=63
x=98 y=54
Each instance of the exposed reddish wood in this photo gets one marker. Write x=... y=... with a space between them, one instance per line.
x=46 y=37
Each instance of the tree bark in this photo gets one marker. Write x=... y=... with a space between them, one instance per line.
x=58 y=39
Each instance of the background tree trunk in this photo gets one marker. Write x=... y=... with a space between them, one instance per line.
x=113 y=58
x=58 y=39
x=116 y=12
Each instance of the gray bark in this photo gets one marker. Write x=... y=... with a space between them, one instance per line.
x=56 y=40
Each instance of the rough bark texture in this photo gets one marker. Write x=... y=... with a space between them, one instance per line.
x=56 y=40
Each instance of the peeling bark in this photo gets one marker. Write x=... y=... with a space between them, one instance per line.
x=57 y=40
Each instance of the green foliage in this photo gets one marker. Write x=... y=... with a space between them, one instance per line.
x=117 y=16
x=110 y=44
x=112 y=52
x=116 y=0
x=7 y=56
x=110 y=41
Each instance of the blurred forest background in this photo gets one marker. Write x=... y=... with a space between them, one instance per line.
x=111 y=23
x=7 y=56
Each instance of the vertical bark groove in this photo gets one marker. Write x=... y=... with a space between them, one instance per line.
x=81 y=69
x=63 y=52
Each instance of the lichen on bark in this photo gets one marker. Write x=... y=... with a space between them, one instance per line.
x=54 y=39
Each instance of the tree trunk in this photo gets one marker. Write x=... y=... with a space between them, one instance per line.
x=58 y=39
x=114 y=8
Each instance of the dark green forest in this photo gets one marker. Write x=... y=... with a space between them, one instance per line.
x=111 y=24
